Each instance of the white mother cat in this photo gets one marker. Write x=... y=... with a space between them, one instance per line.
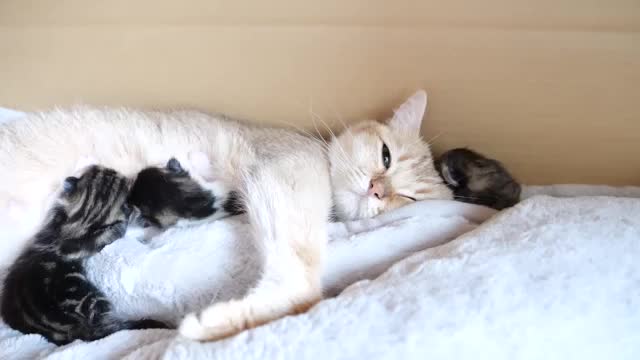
x=289 y=183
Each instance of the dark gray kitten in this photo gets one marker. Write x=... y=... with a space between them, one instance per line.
x=476 y=179
x=47 y=291
x=167 y=194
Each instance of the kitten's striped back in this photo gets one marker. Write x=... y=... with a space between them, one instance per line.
x=95 y=210
x=46 y=291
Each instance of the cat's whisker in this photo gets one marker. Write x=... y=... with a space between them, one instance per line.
x=315 y=126
x=344 y=125
x=313 y=118
x=324 y=123
x=356 y=171
x=312 y=115
x=348 y=169
x=431 y=140
x=316 y=138
x=348 y=166
x=333 y=135
x=345 y=166
x=417 y=141
x=298 y=128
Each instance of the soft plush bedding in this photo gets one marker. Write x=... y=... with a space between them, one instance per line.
x=188 y=267
x=549 y=278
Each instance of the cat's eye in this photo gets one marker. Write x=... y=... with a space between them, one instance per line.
x=407 y=197
x=386 y=156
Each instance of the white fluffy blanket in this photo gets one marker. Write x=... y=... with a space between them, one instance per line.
x=550 y=278
x=188 y=267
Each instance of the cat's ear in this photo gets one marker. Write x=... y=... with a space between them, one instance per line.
x=70 y=184
x=408 y=117
x=175 y=167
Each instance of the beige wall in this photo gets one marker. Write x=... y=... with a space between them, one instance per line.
x=551 y=87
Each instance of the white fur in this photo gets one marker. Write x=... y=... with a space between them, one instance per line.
x=284 y=178
x=356 y=161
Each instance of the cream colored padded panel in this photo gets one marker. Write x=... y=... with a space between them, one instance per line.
x=551 y=87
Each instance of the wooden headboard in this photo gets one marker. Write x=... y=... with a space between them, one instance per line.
x=550 y=87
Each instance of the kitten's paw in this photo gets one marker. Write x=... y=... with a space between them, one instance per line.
x=226 y=319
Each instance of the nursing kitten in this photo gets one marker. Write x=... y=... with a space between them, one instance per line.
x=477 y=179
x=287 y=183
x=47 y=291
x=165 y=195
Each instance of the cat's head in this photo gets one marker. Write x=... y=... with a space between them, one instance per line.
x=92 y=211
x=167 y=194
x=376 y=167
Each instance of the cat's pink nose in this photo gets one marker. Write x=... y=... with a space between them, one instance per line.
x=376 y=188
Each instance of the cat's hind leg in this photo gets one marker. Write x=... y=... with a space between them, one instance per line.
x=288 y=203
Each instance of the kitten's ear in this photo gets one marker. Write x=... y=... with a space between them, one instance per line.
x=408 y=117
x=70 y=184
x=175 y=167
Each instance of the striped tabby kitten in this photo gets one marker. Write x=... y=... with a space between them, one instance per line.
x=476 y=179
x=47 y=291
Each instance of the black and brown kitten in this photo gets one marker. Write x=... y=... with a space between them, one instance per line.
x=476 y=179
x=167 y=194
x=47 y=291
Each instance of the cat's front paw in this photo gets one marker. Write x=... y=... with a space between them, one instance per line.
x=216 y=322
x=226 y=319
